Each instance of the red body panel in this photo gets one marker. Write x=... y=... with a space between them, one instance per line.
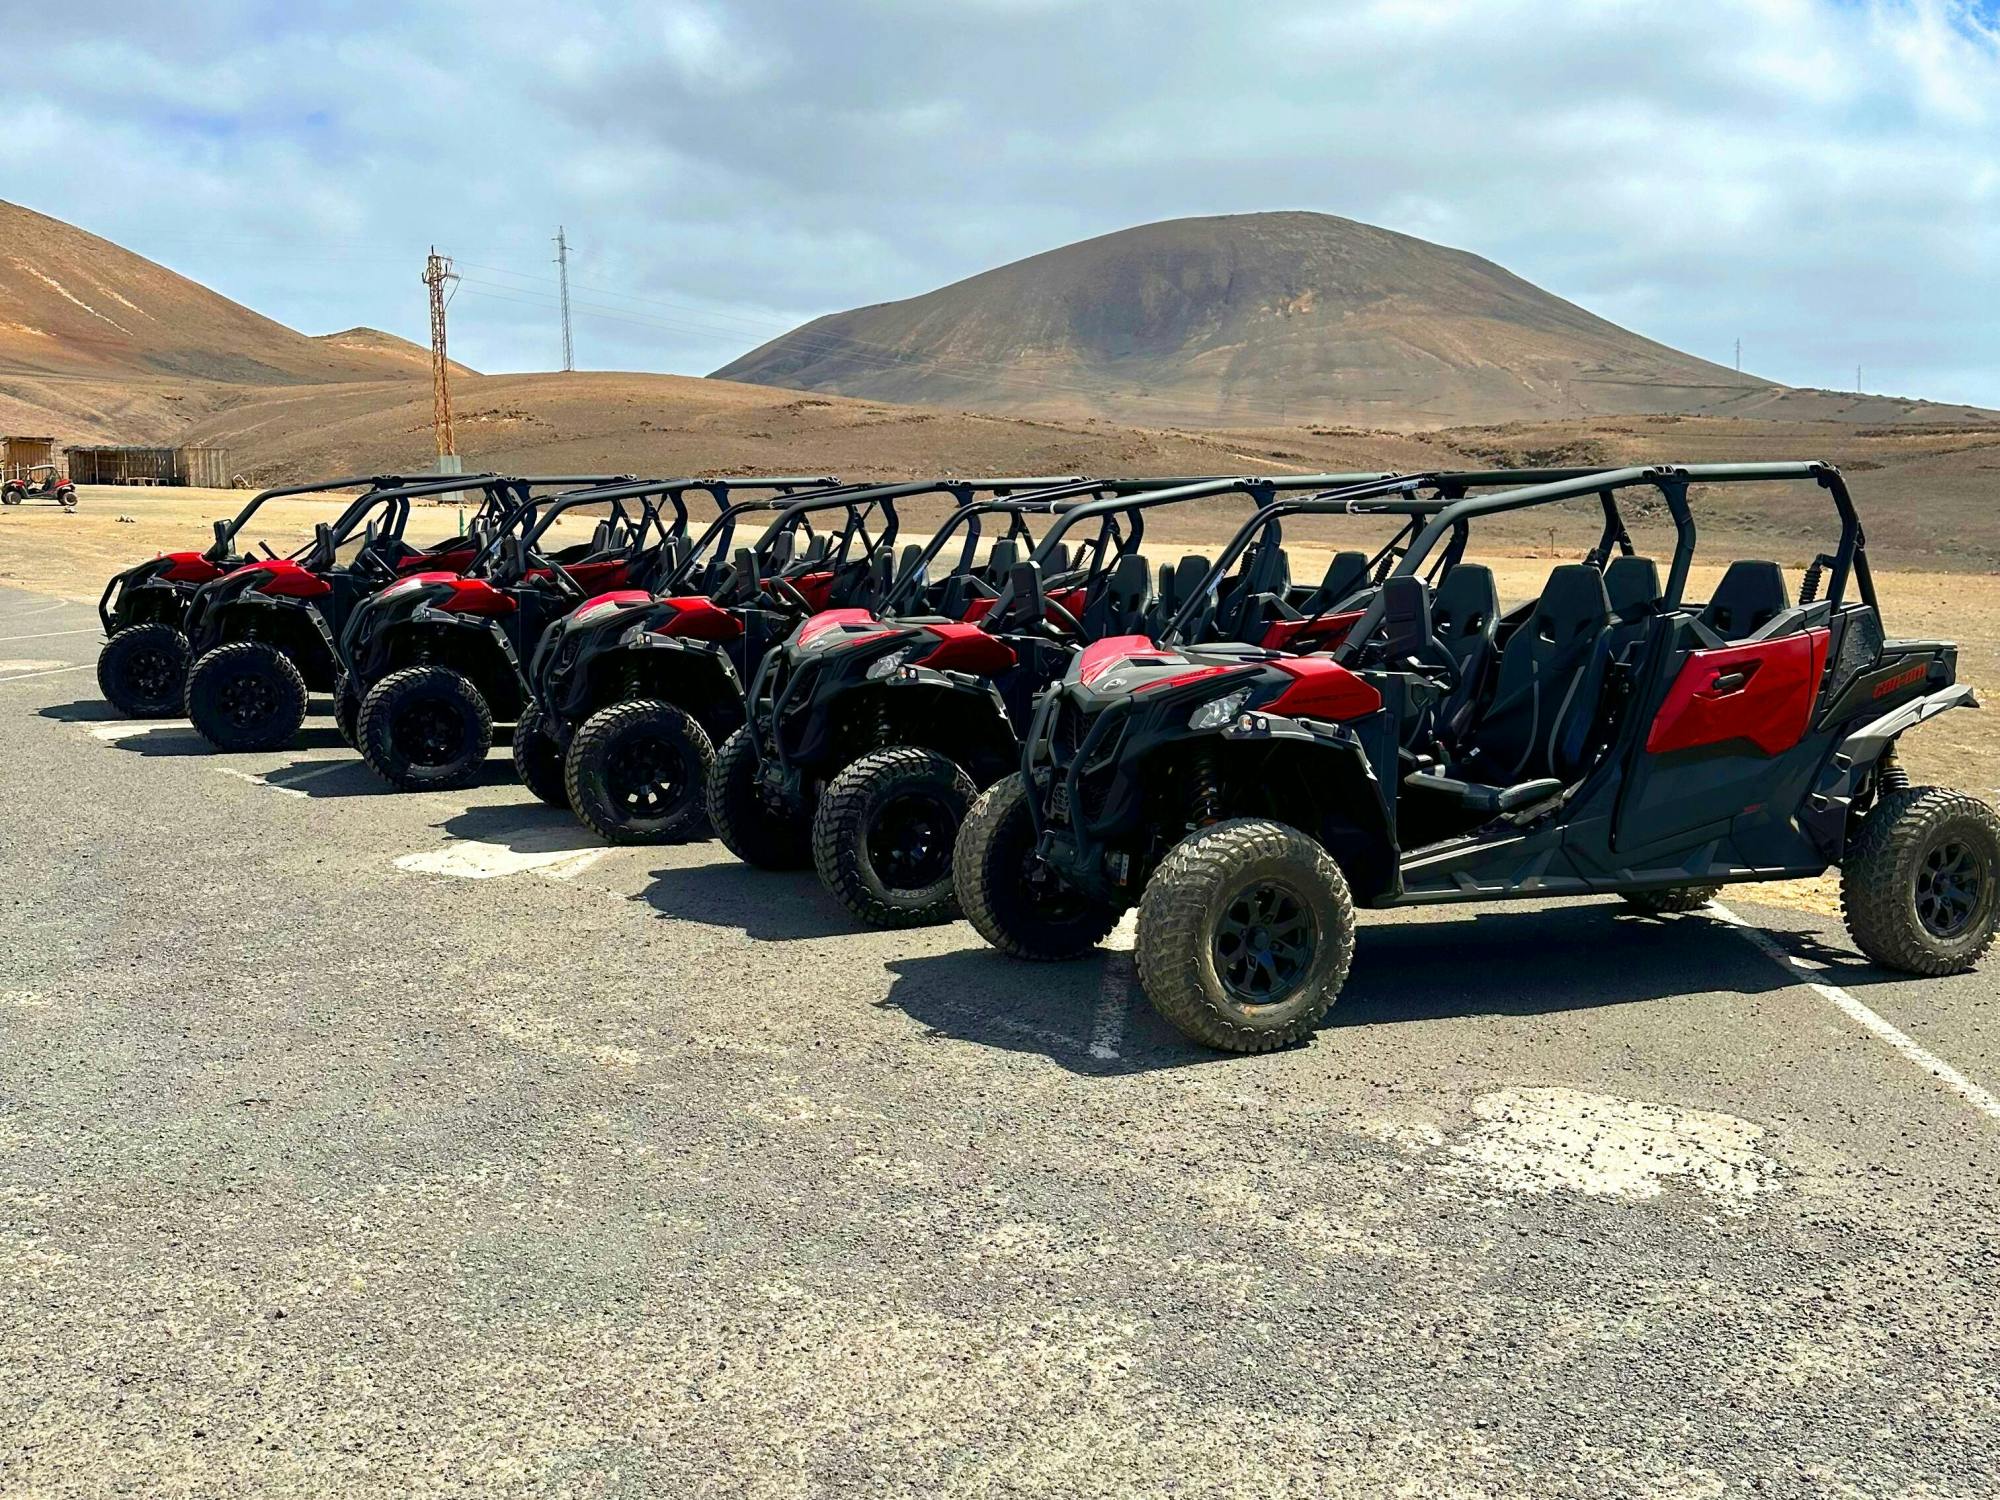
x=699 y=618
x=1102 y=656
x=1322 y=689
x=834 y=619
x=1322 y=634
x=601 y=575
x=454 y=561
x=287 y=580
x=1771 y=709
x=967 y=648
x=1182 y=679
x=188 y=567
x=815 y=588
x=474 y=596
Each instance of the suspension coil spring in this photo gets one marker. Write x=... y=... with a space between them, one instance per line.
x=1890 y=776
x=1809 y=585
x=1205 y=791
x=879 y=728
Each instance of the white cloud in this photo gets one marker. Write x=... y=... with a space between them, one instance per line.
x=1818 y=177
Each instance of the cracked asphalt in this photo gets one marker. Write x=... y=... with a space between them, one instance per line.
x=355 y=1143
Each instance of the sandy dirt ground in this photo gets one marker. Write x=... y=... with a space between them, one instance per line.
x=71 y=554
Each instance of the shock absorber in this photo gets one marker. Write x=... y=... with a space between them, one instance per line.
x=1809 y=585
x=1890 y=775
x=1205 y=790
x=879 y=736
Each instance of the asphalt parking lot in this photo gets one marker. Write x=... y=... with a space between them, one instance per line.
x=361 y=1143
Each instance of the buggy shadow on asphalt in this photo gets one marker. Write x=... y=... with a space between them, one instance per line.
x=768 y=905
x=1050 y=1010
x=81 y=711
x=1538 y=962
x=355 y=779
x=527 y=827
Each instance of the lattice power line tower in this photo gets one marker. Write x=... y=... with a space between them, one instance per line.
x=562 y=272
x=437 y=275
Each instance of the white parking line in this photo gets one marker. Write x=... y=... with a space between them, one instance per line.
x=255 y=780
x=1114 y=990
x=29 y=614
x=57 y=672
x=1980 y=1099
x=318 y=771
x=49 y=635
x=128 y=729
x=478 y=859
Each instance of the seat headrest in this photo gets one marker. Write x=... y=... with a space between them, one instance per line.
x=1346 y=574
x=1633 y=586
x=1000 y=562
x=1058 y=559
x=1750 y=596
x=1573 y=604
x=1131 y=579
x=1467 y=602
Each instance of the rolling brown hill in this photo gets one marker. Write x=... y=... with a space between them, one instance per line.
x=74 y=304
x=1927 y=492
x=373 y=344
x=1272 y=318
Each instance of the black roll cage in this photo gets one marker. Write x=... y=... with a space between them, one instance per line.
x=715 y=539
x=507 y=494
x=1056 y=501
x=1673 y=481
x=865 y=500
x=1416 y=497
x=1261 y=490
x=653 y=496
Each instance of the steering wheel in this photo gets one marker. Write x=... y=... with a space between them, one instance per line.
x=788 y=593
x=1062 y=617
x=567 y=586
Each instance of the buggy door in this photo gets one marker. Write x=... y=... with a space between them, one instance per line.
x=1714 y=729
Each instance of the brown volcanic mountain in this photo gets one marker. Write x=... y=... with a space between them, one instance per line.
x=1254 y=319
x=74 y=304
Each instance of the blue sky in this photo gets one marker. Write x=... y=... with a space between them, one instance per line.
x=1820 y=178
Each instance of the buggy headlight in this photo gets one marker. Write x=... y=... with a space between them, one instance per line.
x=1218 y=711
x=887 y=666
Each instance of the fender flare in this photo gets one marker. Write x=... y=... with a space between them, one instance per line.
x=1867 y=744
x=1828 y=807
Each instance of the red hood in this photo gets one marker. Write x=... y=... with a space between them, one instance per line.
x=852 y=625
x=699 y=618
x=188 y=567
x=286 y=578
x=1100 y=657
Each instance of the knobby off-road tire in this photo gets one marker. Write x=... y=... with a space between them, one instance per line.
x=347 y=711
x=1014 y=900
x=246 y=695
x=638 y=772
x=1220 y=899
x=883 y=834
x=538 y=760
x=142 y=671
x=425 y=729
x=750 y=828
x=1920 y=886
x=1679 y=898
